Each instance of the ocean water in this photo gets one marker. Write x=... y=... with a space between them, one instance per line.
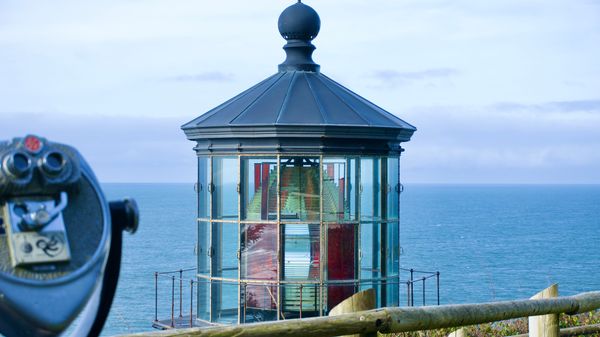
x=489 y=242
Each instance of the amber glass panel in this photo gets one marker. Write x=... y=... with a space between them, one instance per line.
x=225 y=195
x=259 y=188
x=339 y=189
x=300 y=194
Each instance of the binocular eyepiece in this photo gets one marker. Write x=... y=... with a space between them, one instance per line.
x=60 y=241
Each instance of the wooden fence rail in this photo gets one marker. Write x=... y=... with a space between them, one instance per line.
x=388 y=320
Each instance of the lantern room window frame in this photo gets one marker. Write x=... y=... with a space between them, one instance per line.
x=216 y=300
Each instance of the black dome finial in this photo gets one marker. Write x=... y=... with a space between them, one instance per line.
x=299 y=24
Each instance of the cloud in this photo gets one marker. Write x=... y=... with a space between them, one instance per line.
x=591 y=105
x=394 y=78
x=213 y=76
x=546 y=142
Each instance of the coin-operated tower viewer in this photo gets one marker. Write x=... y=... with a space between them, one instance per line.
x=60 y=241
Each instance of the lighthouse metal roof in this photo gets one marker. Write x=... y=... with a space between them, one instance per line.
x=297 y=102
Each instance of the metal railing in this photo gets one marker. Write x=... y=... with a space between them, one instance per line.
x=175 y=276
x=181 y=283
x=413 y=279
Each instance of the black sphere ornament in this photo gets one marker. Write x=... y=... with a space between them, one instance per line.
x=299 y=22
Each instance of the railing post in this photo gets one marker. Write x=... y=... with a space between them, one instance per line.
x=245 y=300
x=191 y=303
x=180 y=291
x=156 y=296
x=172 y=301
x=300 y=300
x=437 y=277
x=408 y=293
x=424 y=278
x=412 y=288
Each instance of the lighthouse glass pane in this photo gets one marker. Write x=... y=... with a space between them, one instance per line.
x=202 y=187
x=392 y=248
x=370 y=196
x=259 y=188
x=341 y=262
x=301 y=262
x=203 y=287
x=392 y=292
x=203 y=251
x=370 y=262
x=203 y=248
x=224 y=302
x=259 y=251
x=225 y=250
x=225 y=195
x=300 y=194
x=258 y=302
x=393 y=188
x=339 y=189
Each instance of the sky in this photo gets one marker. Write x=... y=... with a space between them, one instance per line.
x=502 y=91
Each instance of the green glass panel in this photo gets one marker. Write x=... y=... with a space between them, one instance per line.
x=259 y=188
x=339 y=189
x=300 y=194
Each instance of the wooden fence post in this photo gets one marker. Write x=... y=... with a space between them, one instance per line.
x=546 y=325
x=363 y=300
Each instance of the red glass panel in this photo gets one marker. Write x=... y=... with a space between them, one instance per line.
x=341 y=261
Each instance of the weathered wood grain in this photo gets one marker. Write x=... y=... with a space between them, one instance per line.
x=361 y=301
x=546 y=325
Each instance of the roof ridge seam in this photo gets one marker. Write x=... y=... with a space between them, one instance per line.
x=343 y=100
x=390 y=116
x=255 y=100
x=287 y=97
x=317 y=101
